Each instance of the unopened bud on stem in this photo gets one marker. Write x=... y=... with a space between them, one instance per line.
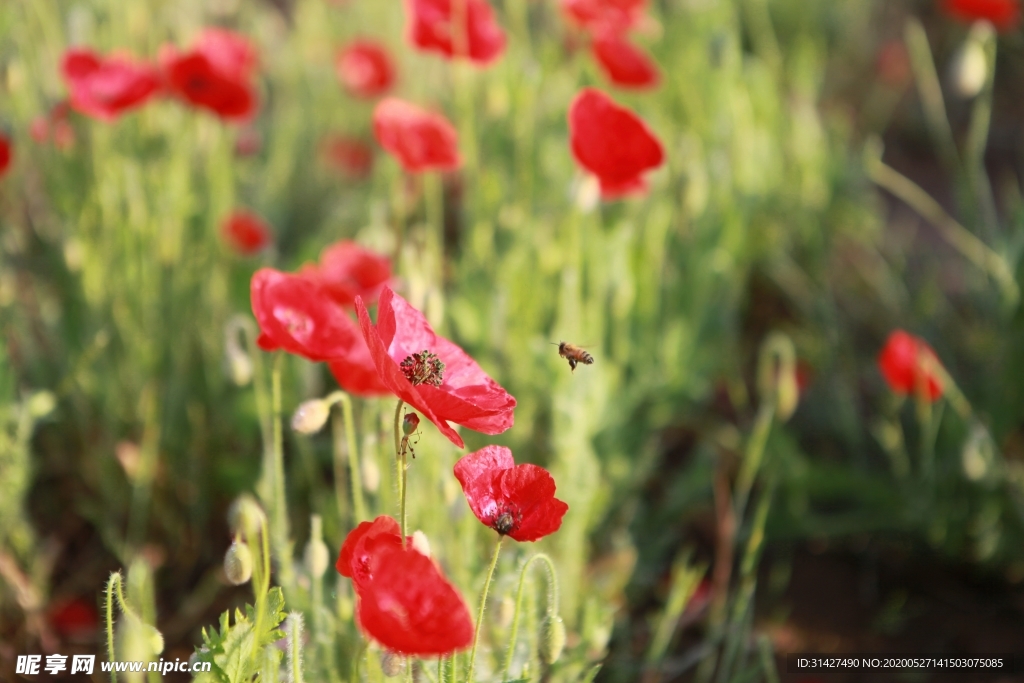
x=552 y=639
x=238 y=563
x=311 y=416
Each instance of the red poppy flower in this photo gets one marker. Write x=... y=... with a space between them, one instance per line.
x=430 y=373
x=105 y=88
x=600 y=15
x=430 y=28
x=623 y=63
x=612 y=142
x=215 y=74
x=409 y=607
x=296 y=314
x=74 y=619
x=1004 y=14
x=907 y=361
x=514 y=500
x=356 y=559
x=231 y=54
x=5 y=153
x=420 y=140
x=365 y=69
x=246 y=232
x=347 y=270
x=351 y=156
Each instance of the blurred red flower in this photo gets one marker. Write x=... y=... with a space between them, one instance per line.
x=907 y=361
x=245 y=232
x=430 y=27
x=347 y=270
x=351 y=156
x=296 y=314
x=430 y=373
x=231 y=54
x=1004 y=14
x=365 y=69
x=623 y=63
x=74 y=619
x=612 y=142
x=358 y=552
x=409 y=607
x=600 y=15
x=419 y=139
x=6 y=153
x=105 y=88
x=514 y=500
x=893 y=64
x=215 y=74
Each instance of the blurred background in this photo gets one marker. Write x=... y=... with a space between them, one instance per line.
x=743 y=482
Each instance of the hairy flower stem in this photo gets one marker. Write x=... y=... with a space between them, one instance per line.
x=279 y=508
x=552 y=604
x=480 y=612
x=358 y=504
x=400 y=458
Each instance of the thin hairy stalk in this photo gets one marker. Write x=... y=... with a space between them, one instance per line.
x=959 y=237
x=552 y=605
x=400 y=459
x=480 y=611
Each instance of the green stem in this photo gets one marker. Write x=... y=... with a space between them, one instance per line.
x=400 y=458
x=959 y=237
x=552 y=604
x=115 y=580
x=279 y=509
x=754 y=455
x=359 y=505
x=480 y=612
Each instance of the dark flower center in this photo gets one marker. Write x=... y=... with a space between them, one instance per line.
x=504 y=523
x=423 y=368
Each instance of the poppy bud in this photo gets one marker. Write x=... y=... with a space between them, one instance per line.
x=317 y=556
x=776 y=375
x=238 y=563
x=420 y=543
x=392 y=663
x=239 y=362
x=552 y=639
x=371 y=475
x=410 y=423
x=969 y=69
x=311 y=416
x=245 y=513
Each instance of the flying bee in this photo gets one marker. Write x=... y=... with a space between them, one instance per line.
x=574 y=355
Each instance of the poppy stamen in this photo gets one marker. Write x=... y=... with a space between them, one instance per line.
x=423 y=368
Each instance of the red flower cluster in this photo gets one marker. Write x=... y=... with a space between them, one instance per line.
x=431 y=373
x=613 y=143
x=908 y=362
x=405 y=603
x=365 y=69
x=245 y=232
x=6 y=154
x=216 y=74
x=106 y=87
x=419 y=139
x=608 y=22
x=350 y=156
x=514 y=500
x=1004 y=14
x=601 y=15
x=301 y=314
x=431 y=27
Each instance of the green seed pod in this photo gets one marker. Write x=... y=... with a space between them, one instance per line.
x=238 y=563
x=311 y=416
x=392 y=663
x=245 y=514
x=316 y=557
x=552 y=639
